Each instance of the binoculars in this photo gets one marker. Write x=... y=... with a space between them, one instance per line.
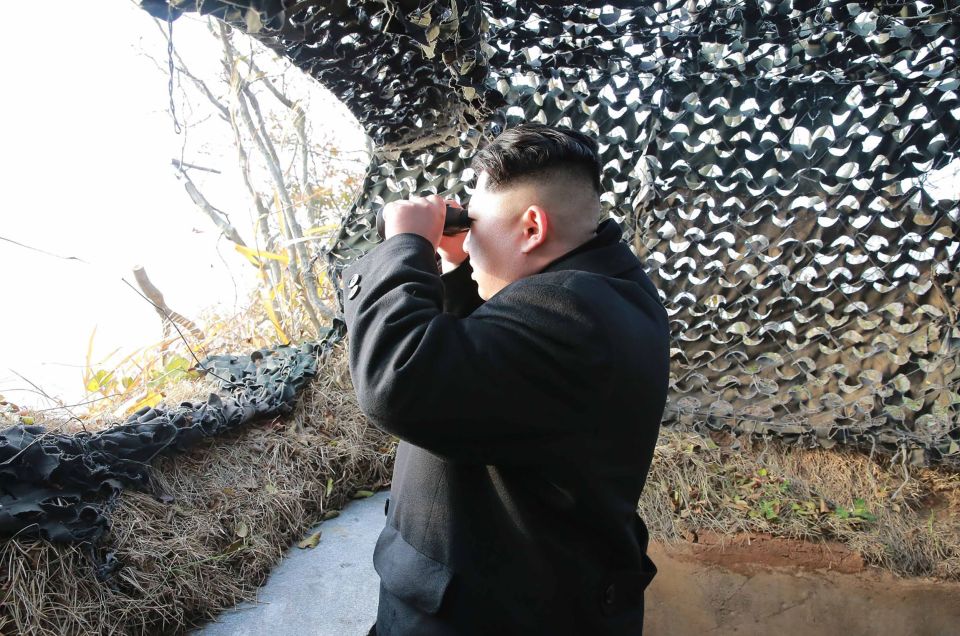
x=456 y=222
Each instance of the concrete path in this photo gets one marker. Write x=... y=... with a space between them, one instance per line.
x=329 y=590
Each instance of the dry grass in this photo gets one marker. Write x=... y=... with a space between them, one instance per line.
x=239 y=501
x=908 y=523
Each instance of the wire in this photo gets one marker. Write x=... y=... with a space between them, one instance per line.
x=37 y=249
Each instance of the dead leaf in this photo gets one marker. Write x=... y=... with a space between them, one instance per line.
x=310 y=542
x=243 y=530
x=233 y=547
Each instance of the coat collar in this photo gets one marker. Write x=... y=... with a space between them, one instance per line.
x=604 y=254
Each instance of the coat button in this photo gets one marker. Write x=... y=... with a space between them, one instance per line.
x=610 y=595
x=353 y=292
x=354 y=280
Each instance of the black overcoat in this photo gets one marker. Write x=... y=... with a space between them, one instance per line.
x=527 y=427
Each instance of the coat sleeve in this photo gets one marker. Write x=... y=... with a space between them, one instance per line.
x=512 y=383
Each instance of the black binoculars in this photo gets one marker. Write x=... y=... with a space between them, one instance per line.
x=456 y=222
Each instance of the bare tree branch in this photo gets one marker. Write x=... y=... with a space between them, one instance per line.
x=298 y=252
x=263 y=214
x=262 y=225
x=219 y=217
x=289 y=209
x=182 y=165
x=299 y=123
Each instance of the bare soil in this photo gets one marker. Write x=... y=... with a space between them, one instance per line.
x=754 y=584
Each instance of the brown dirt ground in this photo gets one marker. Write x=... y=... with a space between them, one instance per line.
x=762 y=585
x=746 y=553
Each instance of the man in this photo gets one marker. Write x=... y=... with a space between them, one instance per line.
x=528 y=421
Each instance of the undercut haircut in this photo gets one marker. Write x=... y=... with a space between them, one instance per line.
x=531 y=150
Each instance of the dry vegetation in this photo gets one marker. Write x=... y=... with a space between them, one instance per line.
x=907 y=521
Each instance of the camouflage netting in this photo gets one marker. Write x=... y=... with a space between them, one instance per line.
x=61 y=487
x=767 y=160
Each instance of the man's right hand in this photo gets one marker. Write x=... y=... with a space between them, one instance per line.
x=418 y=215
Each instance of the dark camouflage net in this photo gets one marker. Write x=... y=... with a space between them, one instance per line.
x=60 y=487
x=767 y=160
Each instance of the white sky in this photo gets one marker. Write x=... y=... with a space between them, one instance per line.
x=85 y=171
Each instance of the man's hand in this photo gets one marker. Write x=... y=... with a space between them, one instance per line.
x=420 y=215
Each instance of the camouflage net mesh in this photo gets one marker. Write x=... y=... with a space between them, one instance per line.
x=768 y=161
x=61 y=487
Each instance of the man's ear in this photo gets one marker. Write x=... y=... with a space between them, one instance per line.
x=535 y=223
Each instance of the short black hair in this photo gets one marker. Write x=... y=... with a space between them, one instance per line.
x=529 y=149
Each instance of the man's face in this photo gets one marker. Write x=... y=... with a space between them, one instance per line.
x=495 y=237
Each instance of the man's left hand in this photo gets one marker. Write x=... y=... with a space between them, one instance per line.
x=419 y=215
